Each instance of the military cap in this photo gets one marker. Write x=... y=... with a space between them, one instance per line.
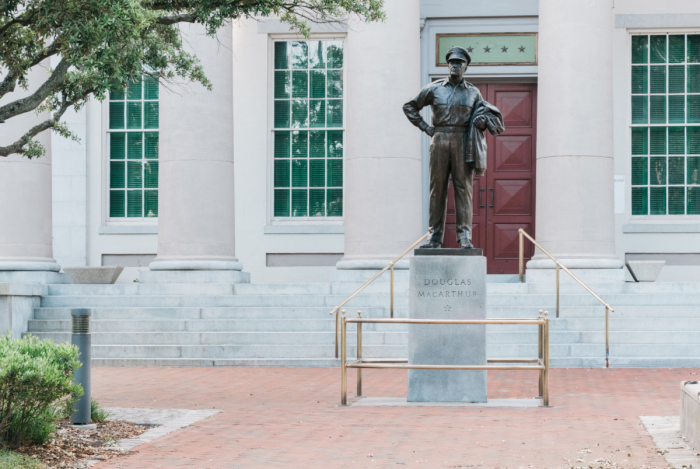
x=458 y=53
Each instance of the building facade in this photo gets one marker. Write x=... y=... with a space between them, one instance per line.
x=301 y=163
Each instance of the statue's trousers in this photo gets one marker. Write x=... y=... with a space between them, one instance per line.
x=447 y=157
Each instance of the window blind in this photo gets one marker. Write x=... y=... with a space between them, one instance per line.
x=665 y=130
x=133 y=150
x=308 y=129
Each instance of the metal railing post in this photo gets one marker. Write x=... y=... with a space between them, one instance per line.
x=545 y=397
x=557 y=289
x=392 y=289
x=540 y=355
x=343 y=363
x=521 y=270
x=359 y=355
x=336 y=332
x=607 y=337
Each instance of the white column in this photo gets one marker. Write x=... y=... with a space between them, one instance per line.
x=383 y=153
x=196 y=200
x=25 y=195
x=575 y=220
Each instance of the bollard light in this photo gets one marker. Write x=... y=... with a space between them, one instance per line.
x=80 y=337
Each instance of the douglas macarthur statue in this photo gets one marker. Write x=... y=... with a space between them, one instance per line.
x=458 y=146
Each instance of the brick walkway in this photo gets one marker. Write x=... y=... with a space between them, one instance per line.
x=288 y=417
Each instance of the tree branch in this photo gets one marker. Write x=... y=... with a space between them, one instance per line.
x=183 y=18
x=17 y=147
x=10 y=81
x=31 y=102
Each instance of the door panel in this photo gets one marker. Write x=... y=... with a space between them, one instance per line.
x=512 y=197
x=504 y=198
x=513 y=153
x=506 y=240
x=511 y=176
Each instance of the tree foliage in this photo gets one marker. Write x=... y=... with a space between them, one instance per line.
x=98 y=44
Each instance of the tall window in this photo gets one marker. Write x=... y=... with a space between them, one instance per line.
x=666 y=124
x=133 y=150
x=308 y=129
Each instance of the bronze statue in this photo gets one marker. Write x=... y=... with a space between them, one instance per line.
x=458 y=147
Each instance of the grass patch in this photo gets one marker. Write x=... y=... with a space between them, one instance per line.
x=12 y=460
x=97 y=413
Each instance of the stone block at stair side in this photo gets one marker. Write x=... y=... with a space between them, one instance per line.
x=645 y=271
x=93 y=275
x=447 y=287
x=690 y=413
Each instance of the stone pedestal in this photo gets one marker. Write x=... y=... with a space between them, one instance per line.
x=447 y=287
x=690 y=413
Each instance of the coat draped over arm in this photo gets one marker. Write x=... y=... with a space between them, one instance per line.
x=476 y=140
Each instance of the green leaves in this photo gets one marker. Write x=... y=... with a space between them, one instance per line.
x=35 y=377
x=108 y=42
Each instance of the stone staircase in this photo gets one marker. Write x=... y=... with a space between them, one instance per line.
x=654 y=325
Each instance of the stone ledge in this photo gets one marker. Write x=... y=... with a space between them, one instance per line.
x=23 y=289
x=304 y=229
x=127 y=230
x=660 y=228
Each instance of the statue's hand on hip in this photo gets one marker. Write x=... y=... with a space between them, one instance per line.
x=430 y=131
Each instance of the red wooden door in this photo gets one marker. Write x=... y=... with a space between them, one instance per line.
x=504 y=199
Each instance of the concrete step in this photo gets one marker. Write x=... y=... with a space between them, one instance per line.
x=304 y=338
x=282 y=289
x=142 y=289
x=329 y=301
x=241 y=351
x=305 y=362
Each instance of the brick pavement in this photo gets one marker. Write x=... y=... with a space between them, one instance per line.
x=289 y=418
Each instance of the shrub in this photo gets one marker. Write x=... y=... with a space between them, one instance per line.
x=36 y=387
x=97 y=413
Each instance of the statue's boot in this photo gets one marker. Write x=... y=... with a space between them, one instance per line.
x=466 y=244
x=431 y=245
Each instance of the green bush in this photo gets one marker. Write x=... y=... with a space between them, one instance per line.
x=12 y=460
x=97 y=413
x=36 y=387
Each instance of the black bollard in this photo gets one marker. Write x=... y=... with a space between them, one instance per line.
x=80 y=337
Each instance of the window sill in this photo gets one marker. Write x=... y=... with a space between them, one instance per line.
x=661 y=228
x=127 y=230
x=304 y=229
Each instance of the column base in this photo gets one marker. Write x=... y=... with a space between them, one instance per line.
x=25 y=276
x=29 y=266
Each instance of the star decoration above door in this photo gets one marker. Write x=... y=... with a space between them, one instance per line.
x=511 y=48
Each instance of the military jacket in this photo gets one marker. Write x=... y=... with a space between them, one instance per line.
x=450 y=105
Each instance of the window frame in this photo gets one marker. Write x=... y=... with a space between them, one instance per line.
x=270 y=192
x=649 y=218
x=107 y=220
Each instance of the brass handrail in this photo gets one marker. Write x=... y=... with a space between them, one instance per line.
x=539 y=364
x=391 y=264
x=608 y=308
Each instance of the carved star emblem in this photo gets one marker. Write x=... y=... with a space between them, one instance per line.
x=470 y=49
x=448 y=308
x=504 y=49
x=487 y=49
x=521 y=49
